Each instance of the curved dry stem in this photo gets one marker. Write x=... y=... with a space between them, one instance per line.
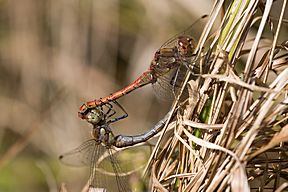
x=235 y=117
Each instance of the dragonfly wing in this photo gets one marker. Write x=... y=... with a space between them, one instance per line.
x=82 y=155
x=167 y=86
x=110 y=180
x=194 y=30
x=121 y=180
x=121 y=163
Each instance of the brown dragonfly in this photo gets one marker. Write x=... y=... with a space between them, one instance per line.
x=166 y=70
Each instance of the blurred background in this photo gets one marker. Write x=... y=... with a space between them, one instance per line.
x=56 y=54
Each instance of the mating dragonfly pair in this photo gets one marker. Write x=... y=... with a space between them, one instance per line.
x=166 y=71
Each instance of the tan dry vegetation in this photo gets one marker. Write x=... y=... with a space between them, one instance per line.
x=230 y=135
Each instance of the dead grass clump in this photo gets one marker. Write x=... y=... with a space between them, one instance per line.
x=230 y=134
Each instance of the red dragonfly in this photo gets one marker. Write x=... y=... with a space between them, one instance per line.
x=173 y=58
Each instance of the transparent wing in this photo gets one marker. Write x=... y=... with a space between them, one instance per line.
x=84 y=154
x=120 y=164
x=167 y=86
x=90 y=153
x=194 y=30
x=111 y=180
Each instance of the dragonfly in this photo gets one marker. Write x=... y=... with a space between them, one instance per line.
x=169 y=64
x=103 y=144
x=91 y=151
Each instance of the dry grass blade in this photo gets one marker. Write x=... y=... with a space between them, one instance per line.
x=231 y=131
x=282 y=136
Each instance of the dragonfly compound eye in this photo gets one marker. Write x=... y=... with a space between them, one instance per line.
x=94 y=116
x=185 y=45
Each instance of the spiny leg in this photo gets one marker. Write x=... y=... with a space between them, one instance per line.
x=110 y=109
x=120 y=117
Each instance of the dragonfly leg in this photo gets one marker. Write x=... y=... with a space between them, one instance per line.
x=124 y=141
x=120 y=117
x=110 y=110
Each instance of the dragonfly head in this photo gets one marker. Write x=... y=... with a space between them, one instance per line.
x=186 y=45
x=93 y=116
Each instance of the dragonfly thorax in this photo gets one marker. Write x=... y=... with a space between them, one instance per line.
x=103 y=135
x=164 y=60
